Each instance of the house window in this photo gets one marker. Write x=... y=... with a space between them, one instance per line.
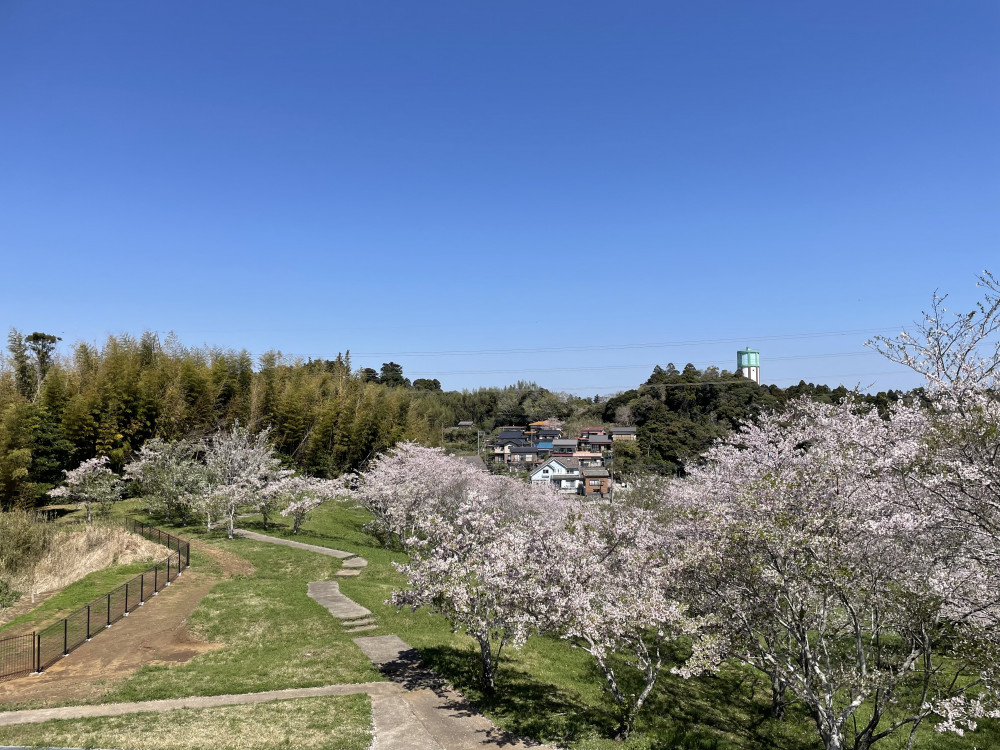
x=595 y=482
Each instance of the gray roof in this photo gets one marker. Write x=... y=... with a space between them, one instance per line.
x=524 y=449
x=595 y=473
x=569 y=463
x=600 y=439
x=564 y=441
x=623 y=430
x=466 y=423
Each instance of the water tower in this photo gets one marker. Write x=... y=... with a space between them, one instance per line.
x=748 y=364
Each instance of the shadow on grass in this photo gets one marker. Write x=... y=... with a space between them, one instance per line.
x=525 y=705
x=722 y=712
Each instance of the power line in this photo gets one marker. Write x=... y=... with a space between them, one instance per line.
x=606 y=347
x=625 y=367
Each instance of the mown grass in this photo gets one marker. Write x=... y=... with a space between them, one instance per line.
x=333 y=723
x=276 y=636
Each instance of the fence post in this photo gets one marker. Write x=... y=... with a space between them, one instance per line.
x=168 y=570
x=38 y=652
x=109 y=611
x=88 y=622
x=65 y=636
x=156 y=579
x=126 y=601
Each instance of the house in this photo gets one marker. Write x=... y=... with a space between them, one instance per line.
x=502 y=448
x=522 y=454
x=546 y=434
x=586 y=432
x=564 y=447
x=466 y=423
x=623 y=433
x=596 y=481
x=588 y=459
x=599 y=443
x=561 y=473
x=511 y=432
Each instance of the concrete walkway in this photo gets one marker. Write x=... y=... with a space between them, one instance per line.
x=328 y=594
x=297 y=545
x=352 y=563
x=37 y=715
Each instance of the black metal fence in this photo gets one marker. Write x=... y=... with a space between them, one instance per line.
x=34 y=652
x=17 y=656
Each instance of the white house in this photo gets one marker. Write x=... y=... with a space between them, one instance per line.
x=561 y=472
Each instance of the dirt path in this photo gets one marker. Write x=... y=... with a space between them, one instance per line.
x=155 y=633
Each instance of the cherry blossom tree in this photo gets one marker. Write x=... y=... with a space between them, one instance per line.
x=608 y=580
x=169 y=475
x=301 y=495
x=841 y=595
x=240 y=467
x=401 y=487
x=469 y=536
x=466 y=567
x=953 y=470
x=92 y=482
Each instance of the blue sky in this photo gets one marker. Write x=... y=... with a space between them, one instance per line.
x=566 y=192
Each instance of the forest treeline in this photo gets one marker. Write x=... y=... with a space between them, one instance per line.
x=59 y=408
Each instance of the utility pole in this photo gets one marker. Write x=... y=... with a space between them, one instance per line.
x=612 y=493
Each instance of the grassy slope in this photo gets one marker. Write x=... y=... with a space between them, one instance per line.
x=74 y=596
x=335 y=723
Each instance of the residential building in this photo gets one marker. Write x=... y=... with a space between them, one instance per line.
x=623 y=433
x=596 y=481
x=564 y=446
x=600 y=442
x=588 y=459
x=560 y=472
x=527 y=454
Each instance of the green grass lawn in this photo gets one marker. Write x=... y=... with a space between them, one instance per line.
x=276 y=636
x=333 y=723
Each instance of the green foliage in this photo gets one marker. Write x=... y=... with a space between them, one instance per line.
x=326 y=418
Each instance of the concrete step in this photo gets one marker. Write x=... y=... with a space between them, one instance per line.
x=362 y=628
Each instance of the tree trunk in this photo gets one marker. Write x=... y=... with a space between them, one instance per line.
x=489 y=667
x=778 y=703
